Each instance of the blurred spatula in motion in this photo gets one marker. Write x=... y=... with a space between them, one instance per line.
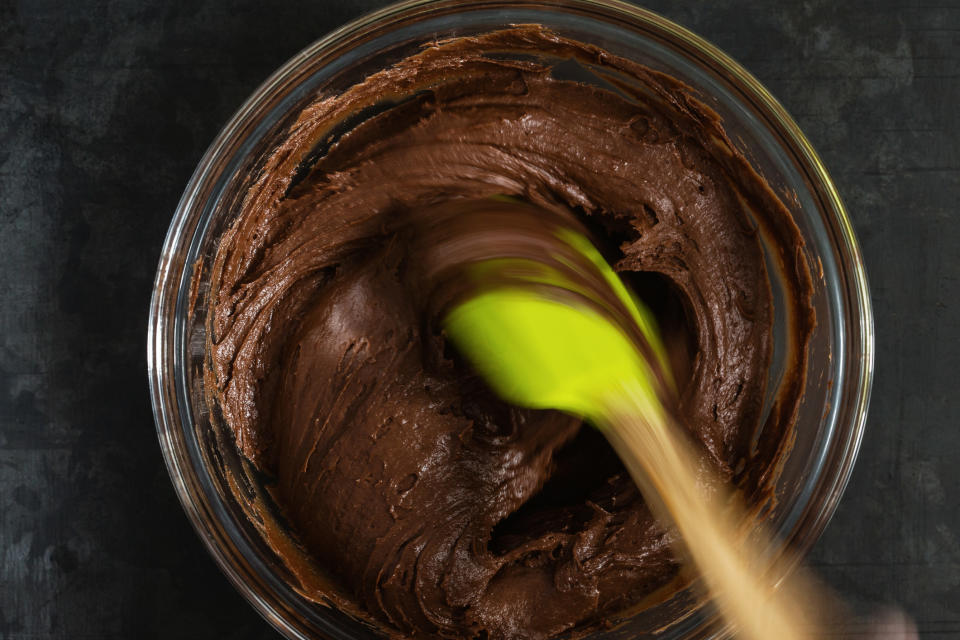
x=530 y=302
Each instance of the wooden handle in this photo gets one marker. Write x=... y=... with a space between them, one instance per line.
x=660 y=462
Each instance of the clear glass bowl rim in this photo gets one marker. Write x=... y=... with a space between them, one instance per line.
x=161 y=355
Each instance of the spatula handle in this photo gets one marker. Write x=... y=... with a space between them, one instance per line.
x=661 y=463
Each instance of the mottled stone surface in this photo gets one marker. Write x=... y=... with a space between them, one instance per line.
x=105 y=108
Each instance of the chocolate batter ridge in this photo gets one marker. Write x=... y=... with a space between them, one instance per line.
x=444 y=511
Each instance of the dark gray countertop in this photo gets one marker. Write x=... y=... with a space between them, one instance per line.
x=105 y=109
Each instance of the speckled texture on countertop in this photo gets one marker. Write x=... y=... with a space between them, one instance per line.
x=105 y=109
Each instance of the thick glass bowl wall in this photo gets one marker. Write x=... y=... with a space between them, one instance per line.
x=198 y=452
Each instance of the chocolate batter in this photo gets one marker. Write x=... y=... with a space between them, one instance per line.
x=441 y=509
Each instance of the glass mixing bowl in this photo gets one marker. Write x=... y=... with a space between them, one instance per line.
x=201 y=457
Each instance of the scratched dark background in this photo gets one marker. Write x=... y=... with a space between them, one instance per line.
x=105 y=109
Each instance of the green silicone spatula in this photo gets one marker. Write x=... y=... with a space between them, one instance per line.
x=548 y=324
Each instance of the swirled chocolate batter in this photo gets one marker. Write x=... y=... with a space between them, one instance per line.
x=442 y=510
